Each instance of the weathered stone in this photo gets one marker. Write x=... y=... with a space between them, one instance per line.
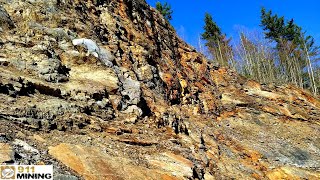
x=5 y=20
x=92 y=164
x=145 y=73
x=92 y=81
x=177 y=165
x=291 y=173
x=65 y=177
x=6 y=153
x=154 y=109
x=131 y=91
x=25 y=146
x=133 y=109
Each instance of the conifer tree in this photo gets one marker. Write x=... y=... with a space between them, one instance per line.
x=165 y=10
x=278 y=30
x=295 y=49
x=216 y=42
x=212 y=32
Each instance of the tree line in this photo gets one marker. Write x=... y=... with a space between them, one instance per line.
x=283 y=54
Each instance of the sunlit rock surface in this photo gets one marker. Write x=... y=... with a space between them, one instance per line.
x=159 y=111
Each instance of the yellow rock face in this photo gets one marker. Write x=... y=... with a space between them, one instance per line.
x=6 y=153
x=91 y=164
x=288 y=173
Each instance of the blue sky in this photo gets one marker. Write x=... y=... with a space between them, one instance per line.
x=188 y=15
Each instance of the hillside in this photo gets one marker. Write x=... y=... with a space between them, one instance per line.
x=148 y=107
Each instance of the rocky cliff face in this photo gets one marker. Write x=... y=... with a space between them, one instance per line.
x=150 y=108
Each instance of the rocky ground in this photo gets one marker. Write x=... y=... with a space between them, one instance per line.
x=151 y=108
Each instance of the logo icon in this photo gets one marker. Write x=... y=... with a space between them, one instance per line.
x=7 y=172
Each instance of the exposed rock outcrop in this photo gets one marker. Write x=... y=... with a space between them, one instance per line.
x=156 y=110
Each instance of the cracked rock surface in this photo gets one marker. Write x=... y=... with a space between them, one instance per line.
x=151 y=108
